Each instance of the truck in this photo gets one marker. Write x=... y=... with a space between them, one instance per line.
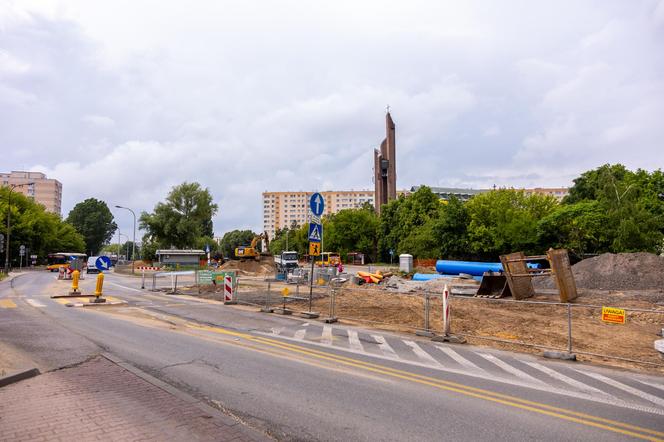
x=286 y=262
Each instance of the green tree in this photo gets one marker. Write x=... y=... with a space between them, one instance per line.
x=352 y=230
x=125 y=249
x=579 y=227
x=182 y=219
x=40 y=231
x=450 y=230
x=93 y=219
x=233 y=239
x=401 y=217
x=505 y=220
x=595 y=184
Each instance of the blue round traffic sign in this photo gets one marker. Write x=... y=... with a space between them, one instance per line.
x=103 y=263
x=317 y=204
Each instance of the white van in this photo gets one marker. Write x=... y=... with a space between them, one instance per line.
x=92 y=268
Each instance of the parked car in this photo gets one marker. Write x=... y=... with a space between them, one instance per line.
x=92 y=268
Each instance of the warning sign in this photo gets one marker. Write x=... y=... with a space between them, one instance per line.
x=613 y=315
x=314 y=248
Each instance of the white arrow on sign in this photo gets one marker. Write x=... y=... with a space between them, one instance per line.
x=318 y=202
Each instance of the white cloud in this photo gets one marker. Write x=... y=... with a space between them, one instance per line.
x=123 y=100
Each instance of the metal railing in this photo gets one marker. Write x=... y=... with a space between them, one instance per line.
x=564 y=327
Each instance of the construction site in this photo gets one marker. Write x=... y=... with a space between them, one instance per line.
x=535 y=316
x=607 y=309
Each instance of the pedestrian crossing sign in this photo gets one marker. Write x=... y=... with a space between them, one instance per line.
x=314 y=249
x=315 y=232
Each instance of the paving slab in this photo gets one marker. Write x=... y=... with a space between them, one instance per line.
x=107 y=399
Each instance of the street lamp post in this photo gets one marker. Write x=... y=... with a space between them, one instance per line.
x=133 y=245
x=9 y=213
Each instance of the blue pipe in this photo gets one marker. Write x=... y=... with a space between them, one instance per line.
x=447 y=267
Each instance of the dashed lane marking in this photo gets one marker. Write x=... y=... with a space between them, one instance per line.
x=326 y=338
x=642 y=394
x=423 y=355
x=35 y=303
x=510 y=368
x=385 y=347
x=354 y=341
x=568 y=380
x=458 y=358
x=7 y=303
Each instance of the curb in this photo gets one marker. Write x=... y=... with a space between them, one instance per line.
x=20 y=376
x=92 y=304
x=245 y=430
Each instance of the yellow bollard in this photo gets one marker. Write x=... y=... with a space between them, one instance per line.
x=99 y=287
x=74 y=282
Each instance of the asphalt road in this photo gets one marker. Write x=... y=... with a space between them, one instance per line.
x=300 y=380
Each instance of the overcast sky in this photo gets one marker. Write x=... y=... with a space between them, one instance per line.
x=121 y=100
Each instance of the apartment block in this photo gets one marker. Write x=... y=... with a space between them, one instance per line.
x=557 y=192
x=47 y=192
x=285 y=209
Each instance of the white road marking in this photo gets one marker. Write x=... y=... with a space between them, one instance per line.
x=326 y=338
x=652 y=384
x=485 y=375
x=35 y=303
x=124 y=287
x=300 y=334
x=277 y=330
x=354 y=341
x=510 y=368
x=385 y=347
x=636 y=392
x=458 y=358
x=568 y=380
x=419 y=351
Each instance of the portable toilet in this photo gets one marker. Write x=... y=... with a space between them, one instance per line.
x=406 y=263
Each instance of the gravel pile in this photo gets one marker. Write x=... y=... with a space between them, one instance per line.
x=622 y=271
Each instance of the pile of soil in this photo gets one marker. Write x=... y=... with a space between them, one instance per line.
x=250 y=267
x=622 y=271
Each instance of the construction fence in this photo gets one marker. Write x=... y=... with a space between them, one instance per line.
x=533 y=325
x=624 y=334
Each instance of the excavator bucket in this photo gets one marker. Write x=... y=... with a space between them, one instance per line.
x=493 y=285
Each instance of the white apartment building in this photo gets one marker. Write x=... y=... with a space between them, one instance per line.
x=285 y=209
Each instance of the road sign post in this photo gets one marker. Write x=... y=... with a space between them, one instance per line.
x=316 y=207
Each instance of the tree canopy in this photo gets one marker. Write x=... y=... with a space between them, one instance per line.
x=93 y=219
x=608 y=209
x=180 y=221
x=40 y=231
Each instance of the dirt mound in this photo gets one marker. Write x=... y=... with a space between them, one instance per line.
x=622 y=271
x=251 y=267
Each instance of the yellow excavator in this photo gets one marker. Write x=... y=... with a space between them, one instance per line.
x=251 y=252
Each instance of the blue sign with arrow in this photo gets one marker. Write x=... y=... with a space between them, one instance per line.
x=103 y=263
x=317 y=204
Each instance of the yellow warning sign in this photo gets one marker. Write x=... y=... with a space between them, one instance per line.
x=613 y=315
x=314 y=248
x=285 y=291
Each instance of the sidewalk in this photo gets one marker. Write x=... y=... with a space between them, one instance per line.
x=103 y=400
